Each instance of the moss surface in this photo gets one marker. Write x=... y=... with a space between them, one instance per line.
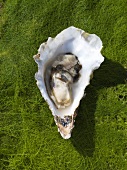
x=28 y=136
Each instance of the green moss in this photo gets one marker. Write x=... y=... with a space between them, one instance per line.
x=28 y=136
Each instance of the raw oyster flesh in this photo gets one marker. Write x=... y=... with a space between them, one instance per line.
x=64 y=72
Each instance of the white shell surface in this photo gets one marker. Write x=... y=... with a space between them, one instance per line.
x=85 y=46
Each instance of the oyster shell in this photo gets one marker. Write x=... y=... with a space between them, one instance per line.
x=65 y=64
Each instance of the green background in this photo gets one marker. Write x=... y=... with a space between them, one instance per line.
x=28 y=135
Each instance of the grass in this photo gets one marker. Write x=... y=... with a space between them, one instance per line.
x=28 y=136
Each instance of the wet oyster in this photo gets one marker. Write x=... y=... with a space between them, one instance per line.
x=65 y=65
x=64 y=72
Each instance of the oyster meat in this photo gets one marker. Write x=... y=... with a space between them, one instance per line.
x=64 y=72
x=65 y=65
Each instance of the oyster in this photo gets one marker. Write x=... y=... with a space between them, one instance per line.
x=64 y=72
x=65 y=65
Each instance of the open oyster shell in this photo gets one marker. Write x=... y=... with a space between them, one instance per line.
x=86 y=50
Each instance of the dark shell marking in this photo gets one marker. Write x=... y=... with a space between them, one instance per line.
x=64 y=121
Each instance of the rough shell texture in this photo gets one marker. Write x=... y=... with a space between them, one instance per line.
x=72 y=40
